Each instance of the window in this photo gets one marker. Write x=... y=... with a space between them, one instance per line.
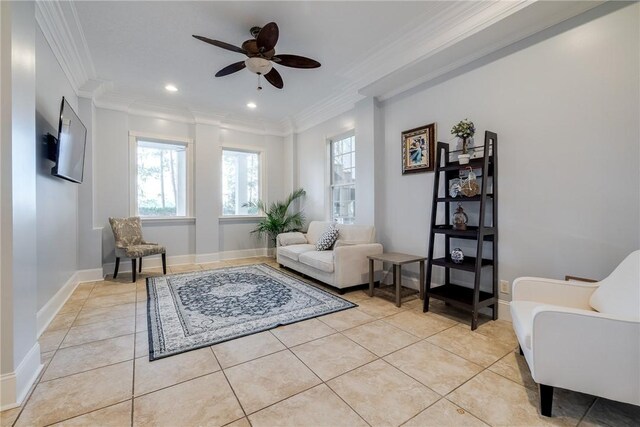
x=161 y=179
x=240 y=181
x=343 y=179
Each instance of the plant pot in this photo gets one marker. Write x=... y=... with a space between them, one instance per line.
x=463 y=159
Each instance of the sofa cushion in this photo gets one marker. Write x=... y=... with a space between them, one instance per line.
x=321 y=260
x=356 y=233
x=619 y=293
x=294 y=251
x=327 y=239
x=316 y=228
x=291 y=238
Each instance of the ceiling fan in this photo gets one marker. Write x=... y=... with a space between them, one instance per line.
x=261 y=55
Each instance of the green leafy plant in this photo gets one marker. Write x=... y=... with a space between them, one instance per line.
x=278 y=219
x=464 y=129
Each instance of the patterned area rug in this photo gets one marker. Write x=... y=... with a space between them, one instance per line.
x=193 y=310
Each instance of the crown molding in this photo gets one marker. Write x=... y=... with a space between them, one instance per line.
x=456 y=21
x=61 y=28
x=135 y=106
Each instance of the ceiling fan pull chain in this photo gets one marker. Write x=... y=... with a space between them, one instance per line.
x=259 y=85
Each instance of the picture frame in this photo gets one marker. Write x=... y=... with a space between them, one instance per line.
x=418 y=149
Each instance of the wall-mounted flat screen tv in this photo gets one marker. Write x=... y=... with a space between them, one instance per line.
x=72 y=138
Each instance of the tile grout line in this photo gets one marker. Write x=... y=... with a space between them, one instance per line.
x=86 y=413
x=325 y=382
x=229 y=383
x=135 y=339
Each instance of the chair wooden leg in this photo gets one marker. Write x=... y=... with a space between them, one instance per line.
x=115 y=271
x=140 y=265
x=133 y=269
x=546 y=399
x=164 y=263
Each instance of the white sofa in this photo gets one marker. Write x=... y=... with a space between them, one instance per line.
x=582 y=336
x=344 y=266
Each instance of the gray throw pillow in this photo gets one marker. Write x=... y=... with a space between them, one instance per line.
x=327 y=239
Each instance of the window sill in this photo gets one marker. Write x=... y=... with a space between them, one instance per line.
x=166 y=220
x=242 y=218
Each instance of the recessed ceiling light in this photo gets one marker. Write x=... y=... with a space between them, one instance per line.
x=171 y=88
x=251 y=105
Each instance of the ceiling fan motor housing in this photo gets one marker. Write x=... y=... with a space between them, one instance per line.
x=258 y=65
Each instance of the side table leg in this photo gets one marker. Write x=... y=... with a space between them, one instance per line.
x=421 y=280
x=371 y=277
x=398 y=281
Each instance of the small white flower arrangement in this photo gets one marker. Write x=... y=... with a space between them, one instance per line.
x=464 y=129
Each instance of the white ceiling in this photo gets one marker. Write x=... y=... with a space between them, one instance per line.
x=123 y=53
x=141 y=46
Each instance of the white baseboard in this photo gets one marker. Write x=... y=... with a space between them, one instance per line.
x=15 y=386
x=150 y=262
x=504 y=313
x=92 y=275
x=156 y=261
x=226 y=255
x=46 y=314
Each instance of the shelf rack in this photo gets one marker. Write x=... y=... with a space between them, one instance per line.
x=471 y=299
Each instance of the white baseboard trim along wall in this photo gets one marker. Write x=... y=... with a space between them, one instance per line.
x=50 y=309
x=15 y=386
x=156 y=261
x=412 y=282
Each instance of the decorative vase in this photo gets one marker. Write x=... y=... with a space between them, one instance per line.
x=460 y=219
x=457 y=256
x=463 y=159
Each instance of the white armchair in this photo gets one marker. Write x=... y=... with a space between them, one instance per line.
x=582 y=337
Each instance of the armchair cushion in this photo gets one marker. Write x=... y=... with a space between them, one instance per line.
x=522 y=317
x=139 y=251
x=127 y=231
x=619 y=293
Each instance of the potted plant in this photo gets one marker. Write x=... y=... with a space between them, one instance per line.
x=277 y=218
x=465 y=129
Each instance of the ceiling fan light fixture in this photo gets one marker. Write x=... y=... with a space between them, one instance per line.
x=258 y=65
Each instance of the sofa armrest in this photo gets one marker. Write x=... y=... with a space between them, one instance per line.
x=351 y=263
x=555 y=292
x=291 y=238
x=587 y=351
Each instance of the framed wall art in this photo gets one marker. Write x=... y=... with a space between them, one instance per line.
x=418 y=148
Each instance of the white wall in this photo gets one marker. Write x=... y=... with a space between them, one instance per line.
x=57 y=199
x=312 y=160
x=19 y=351
x=566 y=112
x=206 y=234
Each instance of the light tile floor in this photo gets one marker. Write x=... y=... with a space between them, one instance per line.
x=375 y=365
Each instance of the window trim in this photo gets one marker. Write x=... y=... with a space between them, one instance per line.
x=134 y=137
x=329 y=197
x=262 y=164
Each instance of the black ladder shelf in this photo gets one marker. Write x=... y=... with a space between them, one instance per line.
x=467 y=298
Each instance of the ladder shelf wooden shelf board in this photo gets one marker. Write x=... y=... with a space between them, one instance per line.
x=470 y=298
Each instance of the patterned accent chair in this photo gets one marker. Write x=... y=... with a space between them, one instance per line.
x=130 y=244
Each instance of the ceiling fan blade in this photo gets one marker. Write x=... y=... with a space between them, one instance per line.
x=295 y=61
x=274 y=78
x=268 y=37
x=230 y=69
x=223 y=45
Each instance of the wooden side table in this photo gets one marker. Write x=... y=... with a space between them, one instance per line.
x=398 y=260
